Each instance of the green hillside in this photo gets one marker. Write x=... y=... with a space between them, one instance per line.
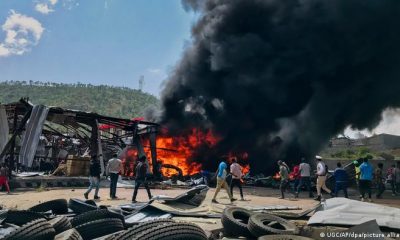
x=112 y=101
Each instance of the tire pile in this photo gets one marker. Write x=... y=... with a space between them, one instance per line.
x=52 y=220
x=240 y=222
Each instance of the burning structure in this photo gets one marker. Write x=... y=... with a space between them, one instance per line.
x=277 y=79
x=51 y=134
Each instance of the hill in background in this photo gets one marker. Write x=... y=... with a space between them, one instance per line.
x=107 y=100
x=380 y=146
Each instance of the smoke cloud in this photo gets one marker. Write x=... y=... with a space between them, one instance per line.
x=277 y=79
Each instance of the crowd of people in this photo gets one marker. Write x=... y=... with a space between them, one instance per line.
x=290 y=181
x=366 y=177
x=294 y=181
x=113 y=169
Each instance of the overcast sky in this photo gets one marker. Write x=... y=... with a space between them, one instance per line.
x=110 y=42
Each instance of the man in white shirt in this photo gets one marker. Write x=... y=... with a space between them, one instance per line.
x=305 y=174
x=236 y=171
x=321 y=178
x=114 y=167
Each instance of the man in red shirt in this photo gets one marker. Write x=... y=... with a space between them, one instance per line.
x=4 y=177
x=296 y=177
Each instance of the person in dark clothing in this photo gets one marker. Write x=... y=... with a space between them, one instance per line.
x=140 y=178
x=341 y=180
x=113 y=169
x=379 y=180
x=94 y=177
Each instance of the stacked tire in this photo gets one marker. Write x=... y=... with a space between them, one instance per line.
x=22 y=217
x=99 y=228
x=98 y=223
x=60 y=224
x=240 y=222
x=57 y=206
x=38 y=229
x=90 y=222
x=163 y=229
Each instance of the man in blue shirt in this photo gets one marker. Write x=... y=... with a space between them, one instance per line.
x=341 y=179
x=366 y=174
x=221 y=182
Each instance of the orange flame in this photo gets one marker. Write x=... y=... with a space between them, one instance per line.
x=177 y=151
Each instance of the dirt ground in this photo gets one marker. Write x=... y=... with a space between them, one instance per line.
x=254 y=196
x=23 y=199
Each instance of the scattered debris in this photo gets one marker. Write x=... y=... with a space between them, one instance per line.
x=367 y=228
x=193 y=197
x=347 y=212
x=88 y=221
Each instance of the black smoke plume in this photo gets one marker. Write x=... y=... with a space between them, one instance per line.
x=278 y=78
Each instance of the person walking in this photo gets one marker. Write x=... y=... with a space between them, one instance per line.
x=341 y=180
x=390 y=178
x=357 y=164
x=296 y=177
x=366 y=173
x=140 y=178
x=284 y=173
x=221 y=182
x=396 y=175
x=321 y=179
x=4 y=177
x=94 y=178
x=379 y=180
x=305 y=178
x=114 y=167
x=236 y=171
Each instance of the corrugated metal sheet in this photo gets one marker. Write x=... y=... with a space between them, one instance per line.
x=31 y=136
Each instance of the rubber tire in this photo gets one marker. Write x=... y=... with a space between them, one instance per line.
x=113 y=236
x=233 y=227
x=91 y=202
x=60 y=224
x=79 y=206
x=21 y=217
x=173 y=231
x=38 y=229
x=70 y=234
x=133 y=231
x=283 y=237
x=95 y=215
x=57 y=206
x=257 y=227
x=99 y=228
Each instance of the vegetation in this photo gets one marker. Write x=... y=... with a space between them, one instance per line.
x=362 y=152
x=354 y=153
x=111 y=101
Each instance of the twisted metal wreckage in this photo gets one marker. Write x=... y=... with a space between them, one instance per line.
x=32 y=122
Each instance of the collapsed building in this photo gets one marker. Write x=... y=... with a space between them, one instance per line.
x=35 y=136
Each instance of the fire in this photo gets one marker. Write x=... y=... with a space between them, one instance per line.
x=178 y=151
